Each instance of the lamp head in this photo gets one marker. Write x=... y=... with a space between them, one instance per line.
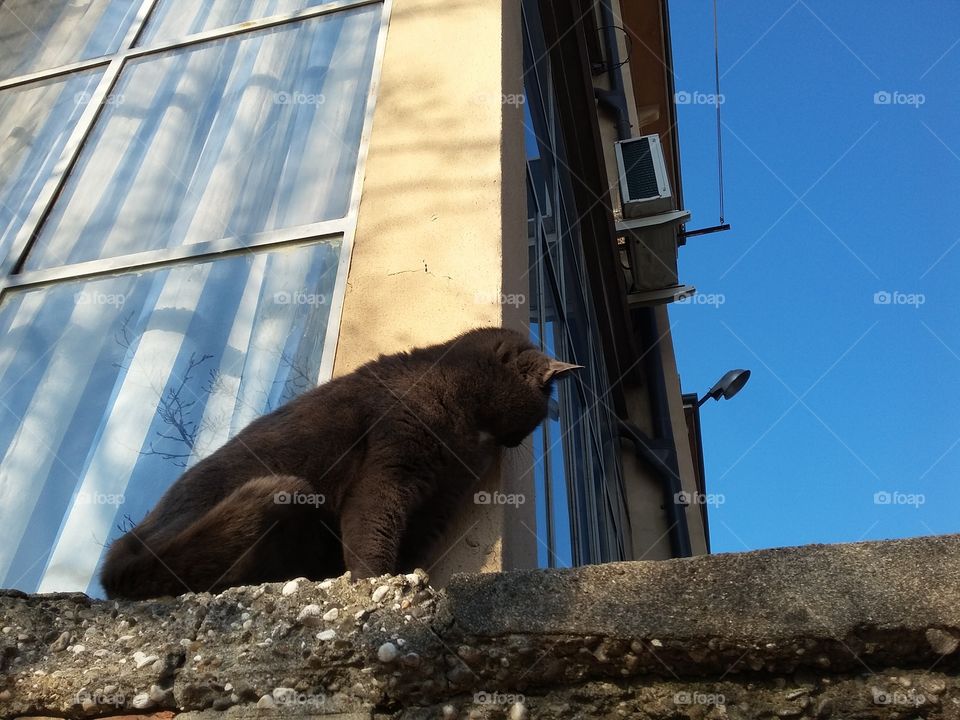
x=726 y=387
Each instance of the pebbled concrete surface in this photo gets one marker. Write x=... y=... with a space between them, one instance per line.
x=849 y=631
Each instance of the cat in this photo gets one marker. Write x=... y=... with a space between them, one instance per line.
x=357 y=474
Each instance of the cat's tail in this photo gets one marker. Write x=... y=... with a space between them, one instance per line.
x=132 y=569
x=270 y=528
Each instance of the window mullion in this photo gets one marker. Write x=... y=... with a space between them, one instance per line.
x=128 y=50
x=51 y=73
x=195 y=252
x=353 y=209
x=68 y=157
x=247 y=26
x=137 y=26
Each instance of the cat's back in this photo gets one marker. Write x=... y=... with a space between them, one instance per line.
x=433 y=390
x=337 y=406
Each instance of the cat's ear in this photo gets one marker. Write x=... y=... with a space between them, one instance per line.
x=557 y=369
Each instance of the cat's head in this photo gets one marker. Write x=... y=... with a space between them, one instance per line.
x=515 y=383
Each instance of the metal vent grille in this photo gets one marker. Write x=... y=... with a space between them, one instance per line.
x=638 y=166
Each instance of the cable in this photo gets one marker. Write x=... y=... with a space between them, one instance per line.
x=606 y=67
x=718 y=102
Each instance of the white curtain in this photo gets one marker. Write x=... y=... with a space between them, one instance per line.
x=224 y=139
x=176 y=18
x=44 y=34
x=35 y=122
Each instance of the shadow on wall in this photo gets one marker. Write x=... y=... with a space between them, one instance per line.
x=426 y=257
x=428 y=250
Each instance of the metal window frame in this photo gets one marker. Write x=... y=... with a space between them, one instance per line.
x=343 y=228
x=596 y=524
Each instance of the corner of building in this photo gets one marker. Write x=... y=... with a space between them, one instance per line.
x=440 y=234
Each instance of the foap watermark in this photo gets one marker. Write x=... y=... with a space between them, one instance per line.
x=298 y=498
x=83 y=98
x=94 y=297
x=104 y=697
x=299 y=98
x=895 y=97
x=514 y=299
x=895 y=297
x=299 y=298
x=515 y=99
x=683 y=97
x=698 y=498
x=289 y=697
x=895 y=497
x=484 y=697
x=714 y=299
x=685 y=697
x=85 y=497
x=498 y=498
x=897 y=697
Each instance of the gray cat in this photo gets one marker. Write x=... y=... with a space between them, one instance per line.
x=358 y=474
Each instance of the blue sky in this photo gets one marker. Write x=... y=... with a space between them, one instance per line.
x=834 y=196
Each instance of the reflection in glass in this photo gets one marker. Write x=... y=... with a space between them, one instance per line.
x=581 y=516
x=35 y=122
x=44 y=34
x=176 y=18
x=110 y=387
x=252 y=133
x=561 y=430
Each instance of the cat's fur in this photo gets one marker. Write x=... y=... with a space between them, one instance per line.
x=372 y=463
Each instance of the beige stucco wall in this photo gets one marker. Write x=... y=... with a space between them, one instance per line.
x=649 y=536
x=644 y=489
x=441 y=232
x=698 y=543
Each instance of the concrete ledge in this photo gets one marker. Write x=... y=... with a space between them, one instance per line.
x=861 y=630
x=826 y=606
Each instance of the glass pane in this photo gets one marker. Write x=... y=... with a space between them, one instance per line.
x=35 y=122
x=578 y=481
x=560 y=427
x=44 y=34
x=110 y=387
x=247 y=134
x=176 y=18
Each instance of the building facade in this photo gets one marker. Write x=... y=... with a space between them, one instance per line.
x=207 y=207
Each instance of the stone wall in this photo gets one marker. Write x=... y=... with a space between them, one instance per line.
x=866 y=630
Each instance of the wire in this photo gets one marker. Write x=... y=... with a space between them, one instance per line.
x=718 y=101
x=606 y=67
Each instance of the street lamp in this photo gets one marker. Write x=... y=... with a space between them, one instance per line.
x=726 y=387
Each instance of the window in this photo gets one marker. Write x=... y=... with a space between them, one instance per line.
x=581 y=515
x=178 y=198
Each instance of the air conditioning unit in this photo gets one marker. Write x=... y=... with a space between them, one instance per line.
x=644 y=186
x=649 y=245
